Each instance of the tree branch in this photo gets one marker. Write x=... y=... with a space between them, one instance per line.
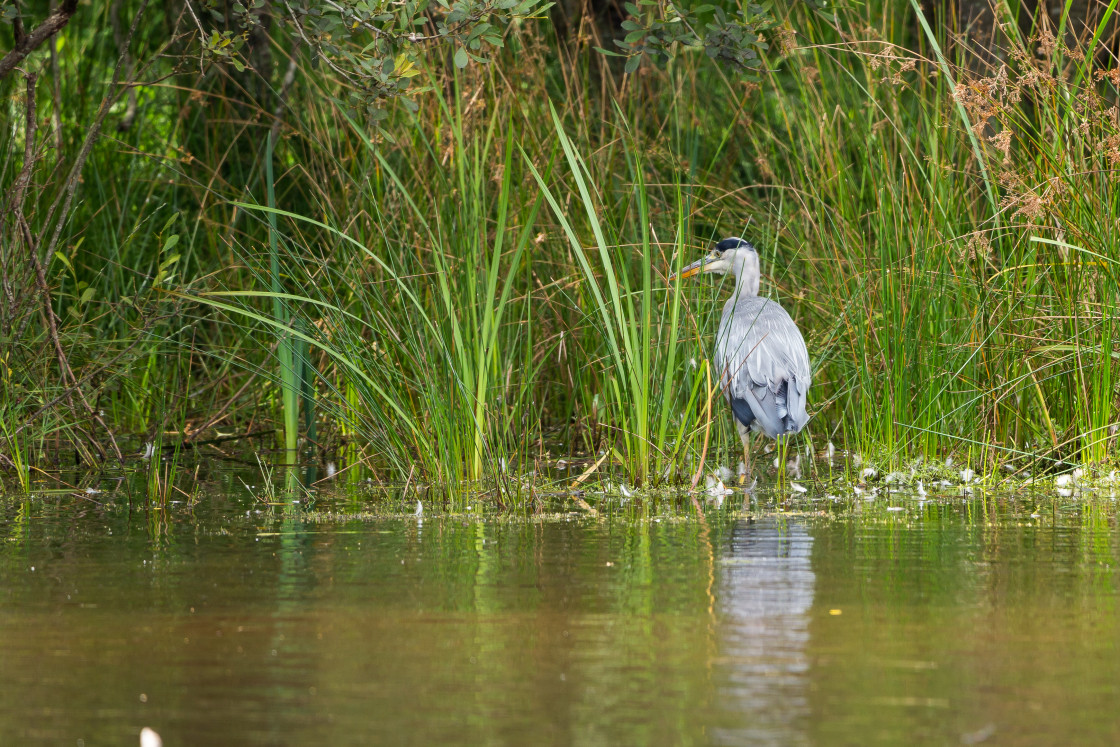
x=13 y=206
x=26 y=43
x=14 y=201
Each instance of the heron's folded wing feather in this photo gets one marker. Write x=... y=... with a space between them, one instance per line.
x=763 y=361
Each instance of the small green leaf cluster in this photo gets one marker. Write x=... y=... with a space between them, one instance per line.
x=247 y=12
x=224 y=46
x=655 y=30
x=376 y=47
x=735 y=41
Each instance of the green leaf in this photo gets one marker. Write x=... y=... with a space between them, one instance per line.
x=632 y=63
x=172 y=240
x=64 y=260
x=461 y=58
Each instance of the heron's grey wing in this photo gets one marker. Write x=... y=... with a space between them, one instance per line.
x=764 y=366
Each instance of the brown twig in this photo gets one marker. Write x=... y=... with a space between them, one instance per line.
x=60 y=354
x=24 y=178
x=41 y=277
x=27 y=421
x=13 y=203
x=27 y=43
x=216 y=417
x=590 y=470
x=220 y=439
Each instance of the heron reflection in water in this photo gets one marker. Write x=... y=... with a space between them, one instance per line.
x=763 y=668
x=760 y=354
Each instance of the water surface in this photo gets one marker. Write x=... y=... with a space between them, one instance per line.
x=963 y=622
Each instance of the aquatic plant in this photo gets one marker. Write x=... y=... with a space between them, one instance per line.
x=470 y=288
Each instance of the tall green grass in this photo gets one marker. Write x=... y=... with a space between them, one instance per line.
x=285 y=344
x=954 y=230
x=479 y=288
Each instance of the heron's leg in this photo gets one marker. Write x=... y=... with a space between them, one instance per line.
x=745 y=436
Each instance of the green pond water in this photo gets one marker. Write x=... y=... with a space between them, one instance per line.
x=959 y=621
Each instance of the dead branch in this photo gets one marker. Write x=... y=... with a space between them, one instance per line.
x=217 y=417
x=13 y=203
x=91 y=374
x=67 y=373
x=40 y=276
x=188 y=444
x=27 y=43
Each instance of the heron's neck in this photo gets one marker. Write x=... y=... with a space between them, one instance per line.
x=746 y=280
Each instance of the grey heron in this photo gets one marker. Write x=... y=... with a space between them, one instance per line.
x=760 y=354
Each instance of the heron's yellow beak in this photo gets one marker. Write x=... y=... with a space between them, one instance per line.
x=695 y=268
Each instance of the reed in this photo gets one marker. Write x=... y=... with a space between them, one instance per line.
x=290 y=378
x=478 y=287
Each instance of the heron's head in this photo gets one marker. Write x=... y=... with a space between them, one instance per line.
x=730 y=255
